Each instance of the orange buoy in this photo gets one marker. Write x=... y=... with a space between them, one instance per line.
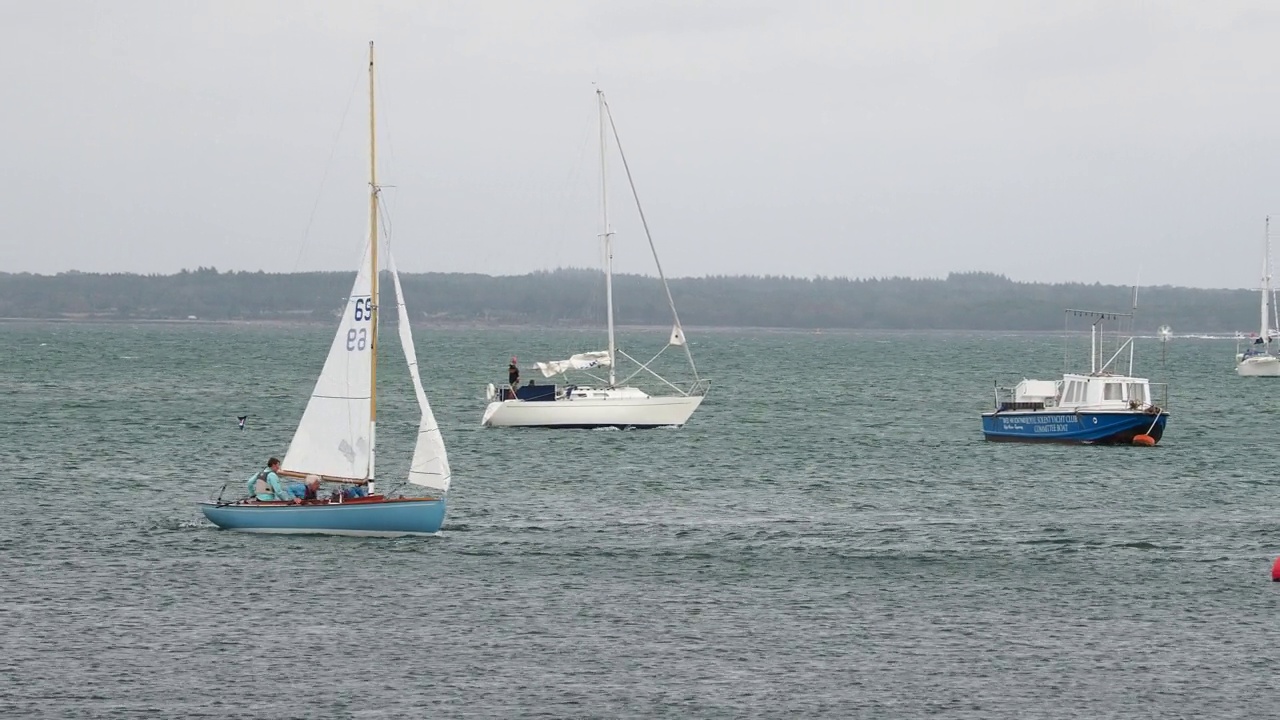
x=1144 y=440
x=1275 y=571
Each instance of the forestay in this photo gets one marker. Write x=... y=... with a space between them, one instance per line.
x=581 y=361
x=430 y=465
x=333 y=437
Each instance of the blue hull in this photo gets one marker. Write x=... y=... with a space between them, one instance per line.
x=1088 y=428
x=387 y=518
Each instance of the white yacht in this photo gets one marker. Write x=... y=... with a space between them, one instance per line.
x=601 y=398
x=1258 y=359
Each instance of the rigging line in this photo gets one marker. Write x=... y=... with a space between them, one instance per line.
x=306 y=232
x=556 y=204
x=384 y=219
x=645 y=223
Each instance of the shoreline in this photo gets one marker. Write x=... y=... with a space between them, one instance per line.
x=478 y=325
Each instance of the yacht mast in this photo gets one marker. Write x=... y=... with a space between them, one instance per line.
x=1264 y=333
x=607 y=234
x=373 y=278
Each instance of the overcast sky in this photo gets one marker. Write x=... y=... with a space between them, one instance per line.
x=1056 y=141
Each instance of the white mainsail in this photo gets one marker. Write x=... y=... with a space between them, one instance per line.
x=334 y=437
x=581 y=361
x=430 y=465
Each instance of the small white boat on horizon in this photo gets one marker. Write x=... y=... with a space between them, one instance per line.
x=1257 y=358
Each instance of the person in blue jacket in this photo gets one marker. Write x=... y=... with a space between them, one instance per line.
x=307 y=491
x=265 y=485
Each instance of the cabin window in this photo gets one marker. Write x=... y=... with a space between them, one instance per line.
x=1135 y=392
x=1113 y=391
x=1075 y=392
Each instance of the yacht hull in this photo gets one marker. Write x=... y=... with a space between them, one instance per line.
x=1082 y=427
x=637 y=413
x=1259 y=366
x=373 y=517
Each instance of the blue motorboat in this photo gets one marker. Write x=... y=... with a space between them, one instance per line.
x=335 y=439
x=1095 y=408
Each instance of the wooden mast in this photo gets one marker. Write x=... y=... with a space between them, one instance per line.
x=373 y=279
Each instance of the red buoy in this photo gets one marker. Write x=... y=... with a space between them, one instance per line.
x=1275 y=571
x=1144 y=440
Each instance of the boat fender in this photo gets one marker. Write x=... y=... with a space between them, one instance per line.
x=1275 y=571
x=489 y=392
x=1144 y=440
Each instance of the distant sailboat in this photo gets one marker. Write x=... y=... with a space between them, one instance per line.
x=335 y=439
x=606 y=402
x=1257 y=359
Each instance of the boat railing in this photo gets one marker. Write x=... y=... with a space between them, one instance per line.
x=1006 y=398
x=700 y=387
x=1160 y=395
x=1002 y=394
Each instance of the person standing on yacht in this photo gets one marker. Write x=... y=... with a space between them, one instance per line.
x=513 y=374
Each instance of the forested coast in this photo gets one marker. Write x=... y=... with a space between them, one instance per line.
x=961 y=301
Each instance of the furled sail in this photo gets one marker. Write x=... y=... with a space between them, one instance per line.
x=430 y=465
x=581 y=361
x=333 y=437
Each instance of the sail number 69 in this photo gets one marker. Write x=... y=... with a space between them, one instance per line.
x=364 y=309
x=357 y=338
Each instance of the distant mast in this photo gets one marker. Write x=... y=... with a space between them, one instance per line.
x=1265 y=333
x=607 y=234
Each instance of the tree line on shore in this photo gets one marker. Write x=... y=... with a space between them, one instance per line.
x=961 y=301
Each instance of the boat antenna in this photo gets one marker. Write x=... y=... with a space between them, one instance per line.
x=1133 y=319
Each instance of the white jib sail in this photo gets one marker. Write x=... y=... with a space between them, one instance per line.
x=333 y=437
x=430 y=465
x=581 y=361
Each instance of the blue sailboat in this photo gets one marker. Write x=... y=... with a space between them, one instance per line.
x=1100 y=407
x=335 y=440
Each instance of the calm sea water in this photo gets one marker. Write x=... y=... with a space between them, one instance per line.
x=829 y=537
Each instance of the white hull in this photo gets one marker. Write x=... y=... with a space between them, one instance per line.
x=589 y=413
x=1259 y=366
